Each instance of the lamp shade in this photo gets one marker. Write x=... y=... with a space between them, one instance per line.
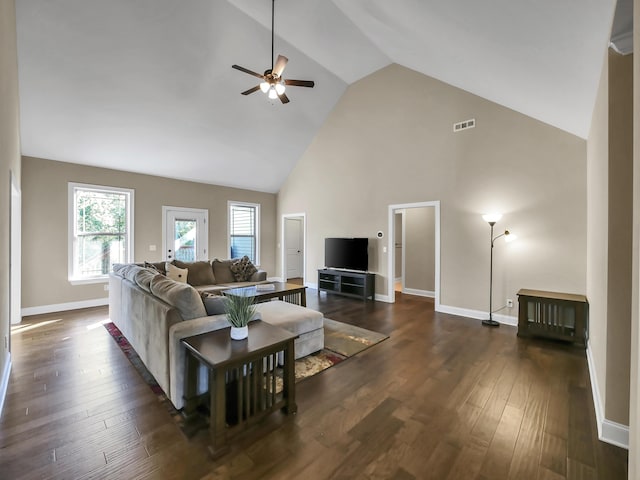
x=491 y=217
x=264 y=87
x=510 y=237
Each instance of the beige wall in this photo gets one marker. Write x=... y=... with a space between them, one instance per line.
x=9 y=162
x=609 y=236
x=420 y=229
x=597 y=233
x=389 y=140
x=620 y=236
x=44 y=223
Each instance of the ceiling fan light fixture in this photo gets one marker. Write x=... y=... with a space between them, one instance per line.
x=272 y=83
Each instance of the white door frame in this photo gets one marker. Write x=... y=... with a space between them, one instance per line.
x=15 y=255
x=200 y=211
x=283 y=245
x=391 y=247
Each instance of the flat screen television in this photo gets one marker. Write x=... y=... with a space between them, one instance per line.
x=346 y=253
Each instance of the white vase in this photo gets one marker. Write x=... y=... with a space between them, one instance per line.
x=239 y=333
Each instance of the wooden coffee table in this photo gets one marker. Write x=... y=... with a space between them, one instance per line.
x=288 y=292
x=242 y=379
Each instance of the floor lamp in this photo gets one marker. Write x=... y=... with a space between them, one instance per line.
x=491 y=219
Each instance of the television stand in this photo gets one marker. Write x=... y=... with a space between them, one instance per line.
x=352 y=284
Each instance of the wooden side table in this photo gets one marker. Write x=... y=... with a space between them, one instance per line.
x=242 y=379
x=561 y=316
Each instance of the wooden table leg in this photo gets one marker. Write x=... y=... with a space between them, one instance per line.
x=190 y=384
x=303 y=297
x=217 y=413
x=289 y=387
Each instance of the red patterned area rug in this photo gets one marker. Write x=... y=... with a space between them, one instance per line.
x=341 y=342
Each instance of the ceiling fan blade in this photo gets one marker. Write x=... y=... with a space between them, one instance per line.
x=251 y=90
x=283 y=98
x=300 y=83
x=245 y=70
x=281 y=62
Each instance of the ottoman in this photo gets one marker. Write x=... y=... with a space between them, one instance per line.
x=304 y=322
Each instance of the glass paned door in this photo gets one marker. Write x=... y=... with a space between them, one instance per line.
x=185 y=239
x=186 y=234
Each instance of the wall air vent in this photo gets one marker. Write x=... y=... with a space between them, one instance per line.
x=458 y=127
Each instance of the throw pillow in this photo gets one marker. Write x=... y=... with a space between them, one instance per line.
x=200 y=273
x=177 y=274
x=214 y=304
x=158 y=267
x=243 y=269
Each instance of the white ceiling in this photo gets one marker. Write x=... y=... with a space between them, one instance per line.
x=147 y=85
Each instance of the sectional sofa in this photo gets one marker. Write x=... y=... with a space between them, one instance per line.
x=154 y=312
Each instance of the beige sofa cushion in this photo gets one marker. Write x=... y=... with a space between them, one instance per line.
x=222 y=271
x=130 y=271
x=200 y=273
x=143 y=278
x=182 y=296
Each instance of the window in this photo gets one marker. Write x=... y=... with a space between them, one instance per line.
x=244 y=231
x=100 y=231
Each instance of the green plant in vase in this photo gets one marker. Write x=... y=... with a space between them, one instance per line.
x=240 y=310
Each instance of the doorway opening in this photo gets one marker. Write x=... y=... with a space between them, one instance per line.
x=185 y=234
x=414 y=239
x=294 y=248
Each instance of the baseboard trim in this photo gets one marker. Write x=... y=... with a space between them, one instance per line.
x=477 y=314
x=4 y=382
x=382 y=298
x=608 y=431
x=61 y=307
x=312 y=285
x=419 y=293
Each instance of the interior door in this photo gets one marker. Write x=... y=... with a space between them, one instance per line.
x=186 y=236
x=293 y=239
x=399 y=250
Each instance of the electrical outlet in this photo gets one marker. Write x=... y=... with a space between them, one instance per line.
x=509 y=303
x=6 y=342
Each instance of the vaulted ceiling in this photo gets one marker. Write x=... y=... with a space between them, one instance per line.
x=147 y=85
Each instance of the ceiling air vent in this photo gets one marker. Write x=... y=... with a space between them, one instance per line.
x=458 y=127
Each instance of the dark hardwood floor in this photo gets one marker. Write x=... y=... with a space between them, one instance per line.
x=442 y=398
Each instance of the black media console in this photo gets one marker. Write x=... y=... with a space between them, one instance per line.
x=353 y=284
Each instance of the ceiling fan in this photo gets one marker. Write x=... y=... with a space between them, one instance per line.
x=272 y=82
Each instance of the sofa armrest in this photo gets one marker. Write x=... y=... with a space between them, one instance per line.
x=259 y=276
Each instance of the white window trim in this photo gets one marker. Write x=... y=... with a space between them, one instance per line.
x=71 y=223
x=244 y=204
